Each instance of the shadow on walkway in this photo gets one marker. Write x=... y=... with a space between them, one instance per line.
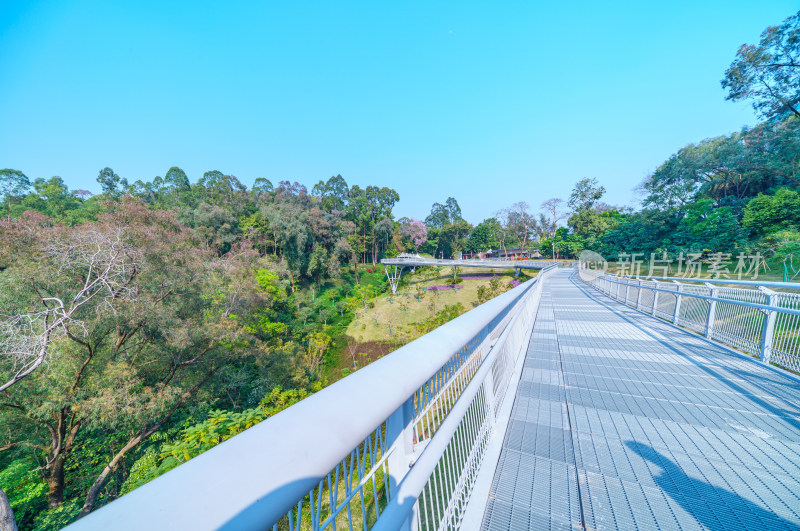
x=786 y=416
x=713 y=507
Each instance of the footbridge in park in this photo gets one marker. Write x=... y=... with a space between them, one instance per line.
x=394 y=266
x=575 y=400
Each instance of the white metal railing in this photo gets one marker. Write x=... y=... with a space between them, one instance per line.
x=745 y=315
x=397 y=444
x=533 y=263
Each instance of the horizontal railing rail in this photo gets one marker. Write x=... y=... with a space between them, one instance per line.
x=745 y=315
x=533 y=263
x=724 y=281
x=353 y=455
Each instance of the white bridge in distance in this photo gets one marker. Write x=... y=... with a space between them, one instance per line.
x=394 y=266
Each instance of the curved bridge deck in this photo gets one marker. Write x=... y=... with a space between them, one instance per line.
x=493 y=264
x=621 y=421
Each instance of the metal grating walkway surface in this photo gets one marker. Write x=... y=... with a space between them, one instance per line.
x=621 y=421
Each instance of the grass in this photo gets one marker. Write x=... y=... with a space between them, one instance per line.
x=392 y=317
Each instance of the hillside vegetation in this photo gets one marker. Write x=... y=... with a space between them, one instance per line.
x=392 y=320
x=145 y=324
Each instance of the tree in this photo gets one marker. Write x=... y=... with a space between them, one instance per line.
x=521 y=222
x=13 y=183
x=564 y=244
x=176 y=186
x=318 y=263
x=785 y=246
x=287 y=220
x=137 y=346
x=334 y=194
x=706 y=228
x=111 y=183
x=444 y=214
x=582 y=201
x=552 y=208
x=446 y=228
x=105 y=266
x=505 y=235
x=380 y=202
x=176 y=180
x=262 y=187
x=768 y=74
x=647 y=231
x=772 y=213
x=318 y=344
x=7 y=521
x=222 y=190
x=454 y=237
x=484 y=236
x=416 y=232
x=256 y=229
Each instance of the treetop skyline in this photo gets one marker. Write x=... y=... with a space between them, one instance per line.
x=417 y=97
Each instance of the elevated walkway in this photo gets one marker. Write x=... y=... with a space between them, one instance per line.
x=550 y=406
x=490 y=264
x=394 y=266
x=622 y=421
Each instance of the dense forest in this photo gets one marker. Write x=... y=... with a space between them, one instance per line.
x=145 y=324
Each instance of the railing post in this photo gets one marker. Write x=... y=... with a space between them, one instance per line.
x=488 y=390
x=655 y=296
x=712 y=311
x=677 y=314
x=400 y=434
x=627 y=291
x=639 y=293
x=768 y=331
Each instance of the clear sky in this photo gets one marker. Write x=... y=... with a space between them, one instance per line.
x=488 y=102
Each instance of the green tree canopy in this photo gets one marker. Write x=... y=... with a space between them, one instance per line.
x=769 y=73
x=765 y=214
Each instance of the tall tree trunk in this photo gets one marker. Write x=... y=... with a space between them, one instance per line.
x=7 y=522
x=55 y=482
x=94 y=490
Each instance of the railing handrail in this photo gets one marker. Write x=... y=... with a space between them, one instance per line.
x=235 y=485
x=756 y=305
x=755 y=283
x=469 y=262
x=401 y=505
x=764 y=324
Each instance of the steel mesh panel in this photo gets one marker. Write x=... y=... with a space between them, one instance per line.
x=786 y=344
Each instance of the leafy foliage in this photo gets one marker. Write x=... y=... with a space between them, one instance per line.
x=769 y=73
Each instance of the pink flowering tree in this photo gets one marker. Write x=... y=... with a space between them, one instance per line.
x=416 y=232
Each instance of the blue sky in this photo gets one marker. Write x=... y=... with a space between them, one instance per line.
x=488 y=102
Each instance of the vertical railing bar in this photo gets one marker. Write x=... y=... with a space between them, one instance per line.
x=349 y=491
